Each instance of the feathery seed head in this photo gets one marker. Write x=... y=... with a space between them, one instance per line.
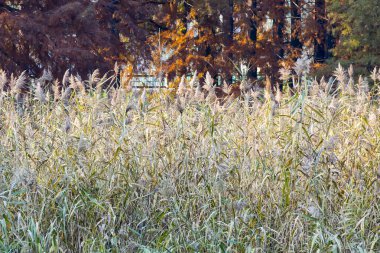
x=56 y=90
x=363 y=85
x=182 y=87
x=47 y=76
x=209 y=82
x=340 y=75
x=72 y=82
x=3 y=80
x=302 y=65
x=323 y=84
x=19 y=83
x=39 y=93
x=226 y=88
x=194 y=82
x=80 y=85
x=66 y=79
x=374 y=74
x=351 y=71
x=93 y=79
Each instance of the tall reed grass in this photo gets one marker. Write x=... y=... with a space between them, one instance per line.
x=86 y=171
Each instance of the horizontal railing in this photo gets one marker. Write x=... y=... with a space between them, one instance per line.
x=140 y=81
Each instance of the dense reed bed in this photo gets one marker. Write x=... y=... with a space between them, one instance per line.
x=124 y=171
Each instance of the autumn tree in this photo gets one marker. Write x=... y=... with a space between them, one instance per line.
x=202 y=43
x=356 y=28
x=76 y=35
x=176 y=37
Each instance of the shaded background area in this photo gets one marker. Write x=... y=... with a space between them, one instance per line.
x=177 y=37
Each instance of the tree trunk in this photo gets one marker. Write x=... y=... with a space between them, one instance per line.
x=252 y=74
x=279 y=27
x=320 y=42
x=227 y=34
x=187 y=9
x=295 y=24
x=231 y=20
